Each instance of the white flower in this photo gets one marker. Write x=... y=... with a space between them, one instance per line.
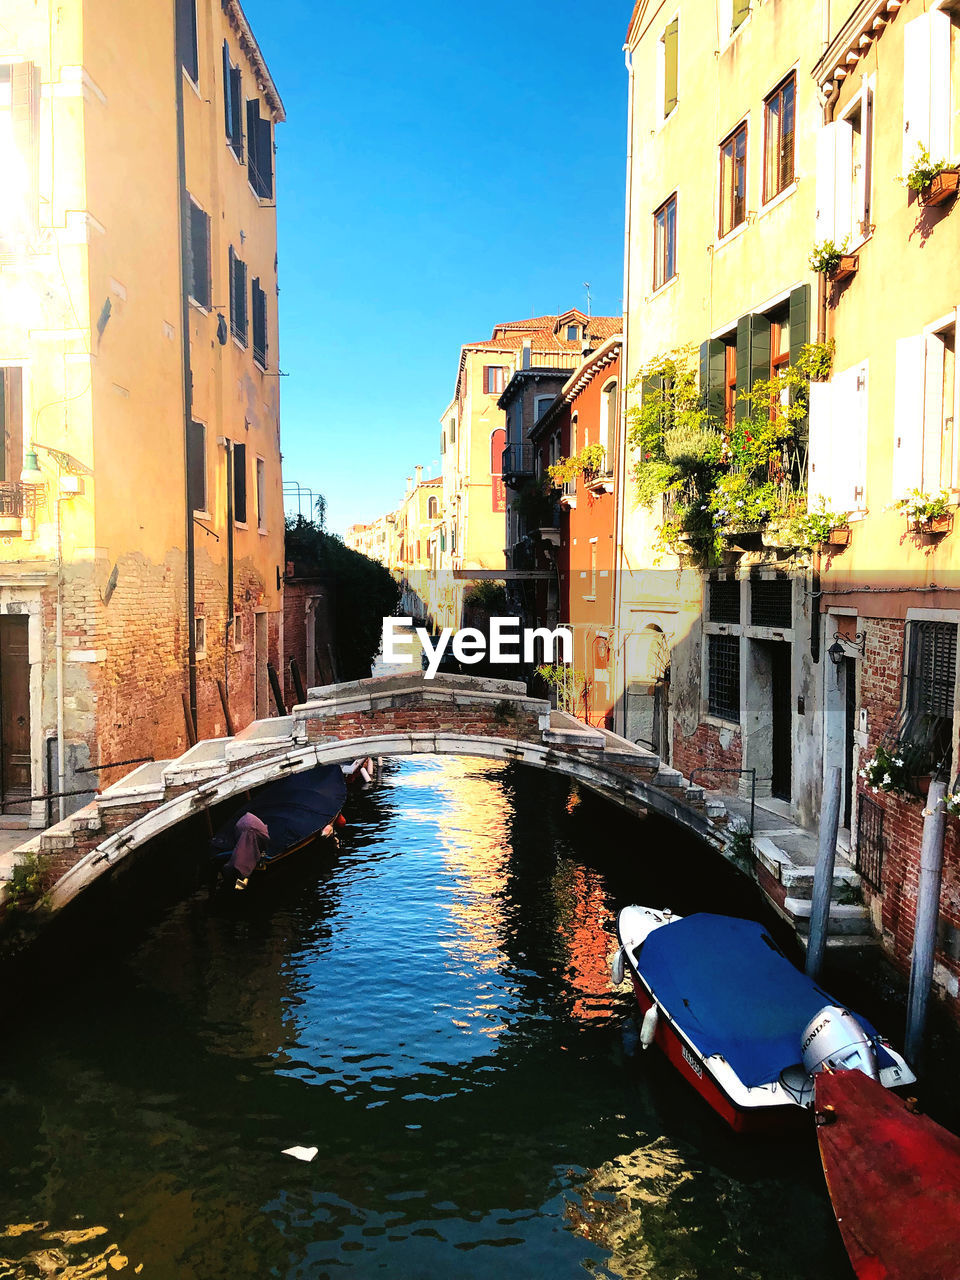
x=886 y=780
x=926 y=813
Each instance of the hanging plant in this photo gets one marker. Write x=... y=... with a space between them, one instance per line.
x=587 y=463
x=826 y=254
x=885 y=771
x=923 y=170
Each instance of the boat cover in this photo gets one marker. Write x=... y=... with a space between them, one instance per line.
x=733 y=992
x=293 y=808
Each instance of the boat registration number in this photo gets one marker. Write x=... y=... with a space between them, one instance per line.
x=691 y=1060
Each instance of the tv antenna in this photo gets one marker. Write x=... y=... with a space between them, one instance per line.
x=586 y=285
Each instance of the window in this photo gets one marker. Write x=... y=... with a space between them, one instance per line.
x=723 y=677
x=240 y=483
x=779 y=339
x=540 y=406
x=724 y=600
x=232 y=104
x=199 y=249
x=261 y=494
x=187 y=38
x=453 y=430
x=573 y=332
x=19 y=147
x=667 y=66
x=733 y=180
x=238 y=298
x=925 y=734
x=200 y=635
x=926 y=87
x=741 y=11
x=608 y=424
x=238 y=636
x=665 y=242
x=443 y=441
x=259 y=151
x=431 y=508
x=11 y=424
x=844 y=173
x=493 y=379
x=771 y=602
x=259 y=310
x=197 y=466
x=730 y=384
x=926 y=398
x=778 y=146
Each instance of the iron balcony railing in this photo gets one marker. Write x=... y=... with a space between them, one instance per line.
x=517 y=460
x=17 y=500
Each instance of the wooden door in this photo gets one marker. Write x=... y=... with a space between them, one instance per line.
x=14 y=709
x=781 y=709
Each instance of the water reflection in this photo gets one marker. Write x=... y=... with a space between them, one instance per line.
x=431 y=1008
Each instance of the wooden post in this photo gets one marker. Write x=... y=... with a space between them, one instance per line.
x=823 y=874
x=277 y=691
x=928 y=915
x=297 y=680
x=226 y=708
x=188 y=717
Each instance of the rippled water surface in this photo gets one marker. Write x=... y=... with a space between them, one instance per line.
x=431 y=1008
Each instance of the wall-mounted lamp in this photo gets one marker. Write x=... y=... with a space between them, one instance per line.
x=842 y=645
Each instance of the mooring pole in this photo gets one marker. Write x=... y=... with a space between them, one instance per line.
x=277 y=691
x=928 y=914
x=823 y=874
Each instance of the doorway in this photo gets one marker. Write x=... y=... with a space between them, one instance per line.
x=781 y=722
x=768 y=717
x=849 y=727
x=261 y=679
x=14 y=714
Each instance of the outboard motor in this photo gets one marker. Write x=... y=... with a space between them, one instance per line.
x=834 y=1038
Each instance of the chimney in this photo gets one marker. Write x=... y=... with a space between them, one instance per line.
x=409 y=486
x=527 y=343
x=419 y=475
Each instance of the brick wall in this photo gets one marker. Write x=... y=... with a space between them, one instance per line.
x=703 y=749
x=413 y=719
x=880 y=688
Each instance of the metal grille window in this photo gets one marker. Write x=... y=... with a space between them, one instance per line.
x=238 y=297
x=259 y=309
x=771 y=602
x=724 y=600
x=870 y=841
x=929 y=682
x=723 y=697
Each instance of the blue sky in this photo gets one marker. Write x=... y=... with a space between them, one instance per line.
x=442 y=168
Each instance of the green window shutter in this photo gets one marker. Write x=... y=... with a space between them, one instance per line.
x=712 y=375
x=759 y=349
x=741 y=9
x=743 y=365
x=670 y=66
x=799 y=320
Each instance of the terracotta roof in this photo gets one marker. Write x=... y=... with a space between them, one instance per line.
x=541 y=332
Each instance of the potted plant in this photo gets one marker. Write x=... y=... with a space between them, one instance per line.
x=830 y=259
x=935 y=181
x=821 y=527
x=927 y=512
x=886 y=771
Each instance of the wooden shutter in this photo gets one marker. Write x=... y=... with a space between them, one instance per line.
x=199 y=255
x=820 y=447
x=843 y=182
x=845 y=491
x=926 y=87
x=799 y=320
x=253 y=142
x=197 y=466
x=187 y=37
x=240 y=483
x=670 y=50
x=908 y=416
x=227 y=99
x=712 y=377
x=232 y=278
x=11 y=423
x=741 y=10
x=826 y=152
x=265 y=157
x=25 y=119
x=759 y=349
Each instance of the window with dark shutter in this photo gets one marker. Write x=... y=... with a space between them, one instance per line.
x=199 y=256
x=778 y=141
x=259 y=309
x=259 y=151
x=197 y=466
x=741 y=11
x=187 y=38
x=733 y=180
x=723 y=677
x=493 y=379
x=238 y=298
x=240 y=483
x=232 y=104
x=925 y=731
x=724 y=600
x=670 y=51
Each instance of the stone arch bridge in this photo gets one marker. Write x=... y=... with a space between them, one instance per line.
x=385 y=716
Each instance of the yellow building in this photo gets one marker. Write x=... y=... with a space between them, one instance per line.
x=720 y=213
x=138 y=362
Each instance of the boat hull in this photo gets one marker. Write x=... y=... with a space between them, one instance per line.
x=893 y=1178
x=768 y=1121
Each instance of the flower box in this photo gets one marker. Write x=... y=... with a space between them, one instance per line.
x=936 y=525
x=845 y=268
x=839 y=537
x=941 y=188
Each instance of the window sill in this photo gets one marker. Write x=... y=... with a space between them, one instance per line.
x=239 y=159
x=261 y=367
x=777 y=200
x=735 y=33
x=662 y=288
x=237 y=342
x=665 y=120
x=263 y=201
x=263 y=532
x=240 y=524
x=202 y=514
x=718 y=722
x=198 y=306
x=190 y=81
x=733 y=234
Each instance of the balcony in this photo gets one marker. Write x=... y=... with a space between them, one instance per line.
x=517 y=463
x=17 y=502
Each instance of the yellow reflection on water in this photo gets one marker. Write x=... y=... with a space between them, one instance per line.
x=60 y=1254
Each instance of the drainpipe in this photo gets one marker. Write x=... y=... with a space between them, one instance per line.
x=184 y=224
x=621 y=719
x=928 y=914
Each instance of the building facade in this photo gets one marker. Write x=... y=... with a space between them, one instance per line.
x=141 y=547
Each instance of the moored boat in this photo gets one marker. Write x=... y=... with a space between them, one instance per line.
x=894 y=1180
x=741 y=1023
x=281 y=820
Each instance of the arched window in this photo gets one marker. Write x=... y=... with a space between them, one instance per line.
x=431 y=508
x=608 y=421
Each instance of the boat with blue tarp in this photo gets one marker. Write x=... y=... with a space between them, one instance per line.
x=739 y=1021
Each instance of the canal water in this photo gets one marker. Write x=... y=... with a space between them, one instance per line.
x=430 y=1007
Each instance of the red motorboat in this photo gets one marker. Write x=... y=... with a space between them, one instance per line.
x=894 y=1179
